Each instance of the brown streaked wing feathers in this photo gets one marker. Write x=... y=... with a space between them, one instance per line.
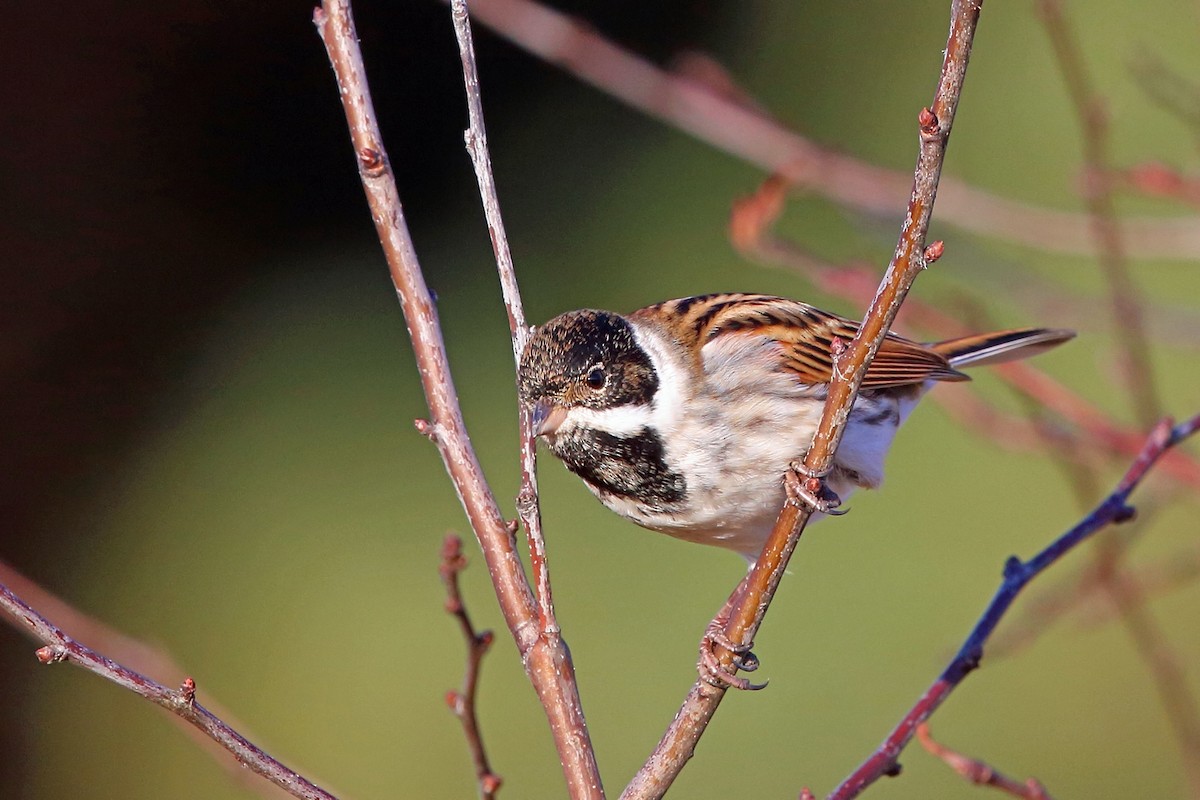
x=806 y=334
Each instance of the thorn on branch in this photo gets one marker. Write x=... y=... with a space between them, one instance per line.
x=928 y=122
x=427 y=429
x=1013 y=568
x=372 y=162
x=1124 y=514
x=51 y=654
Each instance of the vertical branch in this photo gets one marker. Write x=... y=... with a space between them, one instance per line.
x=1133 y=348
x=546 y=659
x=476 y=139
x=750 y=602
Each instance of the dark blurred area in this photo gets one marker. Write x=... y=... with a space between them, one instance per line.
x=154 y=156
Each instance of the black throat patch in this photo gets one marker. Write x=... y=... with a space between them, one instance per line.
x=633 y=467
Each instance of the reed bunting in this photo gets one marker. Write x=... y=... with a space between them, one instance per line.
x=684 y=416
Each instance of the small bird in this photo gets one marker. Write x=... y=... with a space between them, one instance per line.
x=685 y=416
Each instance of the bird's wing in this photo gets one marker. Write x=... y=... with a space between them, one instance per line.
x=806 y=337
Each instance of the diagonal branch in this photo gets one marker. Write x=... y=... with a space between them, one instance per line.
x=728 y=125
x=1017 y=574
x=181 y=702
x=750 y=602
x=546 y=659
x=979 y=772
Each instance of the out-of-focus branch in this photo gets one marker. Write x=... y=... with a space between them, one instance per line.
x=1158 y=180
x=1128 y=312
x=1017 y=574
x=980 y=772
x=721 y=120
x=751 y=230
x=546 y=659
x=750 y=601
x=1176 y=94
x=182 y=702
x=462 y=702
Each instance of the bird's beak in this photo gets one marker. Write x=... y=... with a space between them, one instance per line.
x=547 y=417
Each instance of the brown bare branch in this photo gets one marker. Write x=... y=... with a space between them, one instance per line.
x=60 y=647
x=528 y=506
x=546 y=658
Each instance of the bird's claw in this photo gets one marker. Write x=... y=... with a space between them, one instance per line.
x=809 y=488
x=713 y=672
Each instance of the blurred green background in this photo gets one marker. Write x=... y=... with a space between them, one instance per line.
x=209 y=394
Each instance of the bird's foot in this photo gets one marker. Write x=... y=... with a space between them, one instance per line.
x=808 y=487
x=713 y=672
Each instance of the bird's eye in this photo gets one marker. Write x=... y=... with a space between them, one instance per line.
x=596 y=378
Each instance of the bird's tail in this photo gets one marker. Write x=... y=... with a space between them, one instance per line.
x=996 y=348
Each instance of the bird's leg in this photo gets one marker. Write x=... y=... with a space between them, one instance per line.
x=809 y=487
x=710 y=667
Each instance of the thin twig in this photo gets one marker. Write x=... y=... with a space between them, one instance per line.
x=546 y=658
x=1127 y=308
x=182 y=702
x=528 y=506
x=462 y=702
x=1017 y=574
x=726 y=123
x=980 y=772
x=750 y=602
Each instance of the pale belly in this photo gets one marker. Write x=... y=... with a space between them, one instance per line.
x=735 y=482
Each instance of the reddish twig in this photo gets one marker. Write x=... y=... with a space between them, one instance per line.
x=476 y=138
x=462 y=702
x=750 y=601
x=728 y=124
x=546 y=658
x=980 y=772
x=60 y=647
x=1017 y=574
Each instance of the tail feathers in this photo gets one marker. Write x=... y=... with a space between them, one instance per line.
x=996 y=348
